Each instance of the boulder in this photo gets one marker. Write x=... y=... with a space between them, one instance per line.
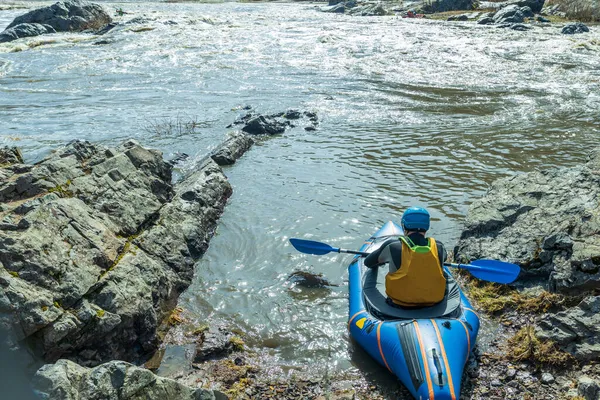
x=461 y=17
x=527 y=12
x=368 y=10
x=548 y=222
x=232 y=149
x=66 y=16
x=25 y=30
x=575 y=330
x=114 y=380
x=535 y=5
x=571 y=29
x=509 y=14
x=96 y=245
x=588 y=388
x=485 y=20
x=435 y=6
x=10 y=155
x=273 y=124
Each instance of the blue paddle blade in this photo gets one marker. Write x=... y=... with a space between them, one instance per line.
x=312 y=247
x=493 y=271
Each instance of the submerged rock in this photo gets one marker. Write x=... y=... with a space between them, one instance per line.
x=25 y=30
x=96 y=245
x=274 y=124
x=574 y=28
x=548 y=222
x=115 y=380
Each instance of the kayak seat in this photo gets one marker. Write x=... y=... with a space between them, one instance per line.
x=376 y=300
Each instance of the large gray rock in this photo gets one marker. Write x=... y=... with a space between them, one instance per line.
x=25 y=30
x=435 y=6
x=575 y=330
x=96 y=245
x=548 y=222
x=10 y=155
x=509 y=14
x=368 y=10
x=116 y=380
x=66 y=16
x=535 y=5
x=232 y=149
x=588 y=388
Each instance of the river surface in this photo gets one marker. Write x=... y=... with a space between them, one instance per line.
x=411 y=112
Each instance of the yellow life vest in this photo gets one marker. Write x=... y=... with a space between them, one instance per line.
x=419 y=281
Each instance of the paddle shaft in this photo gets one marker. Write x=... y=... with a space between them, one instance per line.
x=364 y=254
x=360 y=253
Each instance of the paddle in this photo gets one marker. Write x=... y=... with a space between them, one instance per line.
x=486 y=270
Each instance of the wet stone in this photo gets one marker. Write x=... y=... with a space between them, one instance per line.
x=547 y=378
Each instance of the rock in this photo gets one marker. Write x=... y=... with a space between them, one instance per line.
x=547 y=378
x=520 y=27
x=575 y=330
x=527 y=12
x=509 y=14
x=368 y=10
x=571 y=29
x=264 y=125
x=309 y=280
x=215 y=343
x=233 y=148
x=10 y=155
x=25 y=30
x=545 y=221
x=588 y=388
x=435 y=6
x=67 y=16
x=534 y=5
x=461 y=17
x=485 y=20
x=338 y=8
x=96 y=245
x=539 y=18
x=66 y=380
x=256 y=124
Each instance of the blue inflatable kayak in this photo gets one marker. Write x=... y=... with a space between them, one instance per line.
x=426 y=348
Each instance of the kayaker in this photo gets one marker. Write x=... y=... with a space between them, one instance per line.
x=416 y=277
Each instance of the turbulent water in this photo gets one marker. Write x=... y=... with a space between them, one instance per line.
x=412 y=112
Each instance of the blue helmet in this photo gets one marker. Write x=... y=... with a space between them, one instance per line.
x=415 y=218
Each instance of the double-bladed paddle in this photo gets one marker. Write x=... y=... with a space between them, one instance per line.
x=486 y=270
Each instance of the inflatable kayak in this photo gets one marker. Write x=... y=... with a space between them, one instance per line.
x=426 y=348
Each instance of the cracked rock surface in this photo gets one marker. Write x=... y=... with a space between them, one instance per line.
x=96 y=244
x=548 y=222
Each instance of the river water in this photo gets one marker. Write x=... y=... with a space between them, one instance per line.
x=412 y=112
